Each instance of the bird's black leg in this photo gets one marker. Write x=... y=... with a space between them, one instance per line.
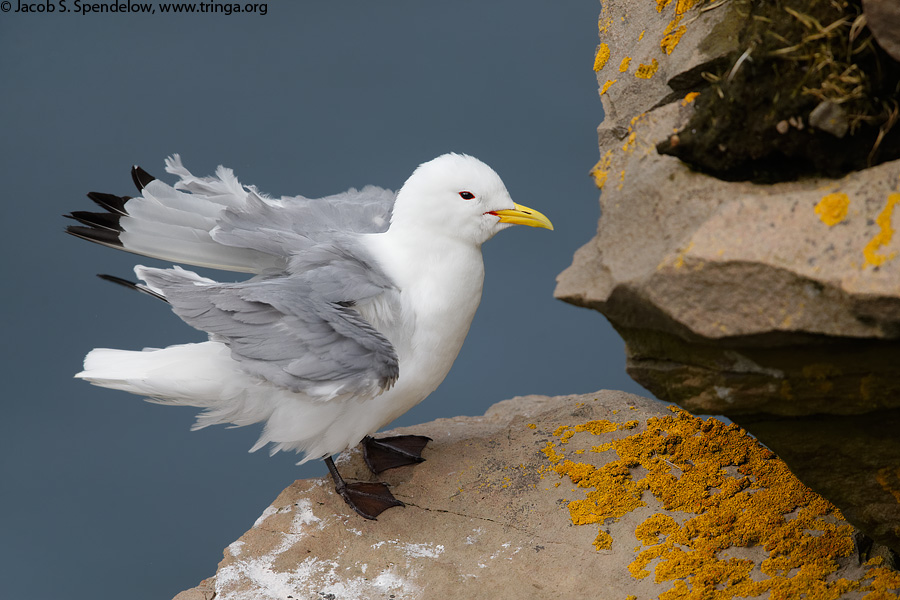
x=397 y=451
x=368 y=499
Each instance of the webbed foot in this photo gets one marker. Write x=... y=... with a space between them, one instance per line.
x=368 y=499
x=396 y=451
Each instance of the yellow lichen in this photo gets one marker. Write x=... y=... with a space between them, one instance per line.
x=883 y=237
x=601 y=57
x=672 y=35
x=607 y=85
x=885 y=582
x=600 y=171
x=603 y=541
x=551 y=454
x=623 y=66
x=678 y=261
x=647 y=71
x=531 y=426
x=832 y=208
x=603 y=26
x=689 y=99
x=598 y=427
x=733 y=492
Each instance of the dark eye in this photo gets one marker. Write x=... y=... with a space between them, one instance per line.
x=466 y=195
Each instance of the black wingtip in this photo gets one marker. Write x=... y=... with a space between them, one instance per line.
x=141 y=177
x=132 y=285
x=111 y=202
x=93 y=234
x=108 y=221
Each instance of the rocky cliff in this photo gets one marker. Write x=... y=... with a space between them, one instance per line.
x=606 y=495
x=746 y=249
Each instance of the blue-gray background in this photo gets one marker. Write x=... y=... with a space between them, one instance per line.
x=105 y=496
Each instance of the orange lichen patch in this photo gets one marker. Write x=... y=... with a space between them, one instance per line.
x=674 y=30
x=647 y=71
x=883 y=237
x=602 y=447
x=732 y=493
x=603 y=26
x=832 y=208
x=531 y=426
x=640 y=37
x=551 y=453
x=600 y=171
x=649 y=531
x=601 y=57
x=607 y=85
x=623 y=66
x=884 y=585
x=603 y=541
x=598 y=427
x=672 y=35
x=889 y=481
x=689 y=99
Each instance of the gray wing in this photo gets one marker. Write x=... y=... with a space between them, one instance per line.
x=297 y=329
x=292 y=226
x=217 y=222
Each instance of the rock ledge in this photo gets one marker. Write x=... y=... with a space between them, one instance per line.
x=559 y=497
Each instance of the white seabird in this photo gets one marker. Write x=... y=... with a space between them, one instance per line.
x=359 y=305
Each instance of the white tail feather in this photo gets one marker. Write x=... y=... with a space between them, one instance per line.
x=205 y=376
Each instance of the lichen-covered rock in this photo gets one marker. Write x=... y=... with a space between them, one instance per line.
x=766 y=303
x=561 y=497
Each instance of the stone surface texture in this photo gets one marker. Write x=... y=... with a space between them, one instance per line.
x=883 y=18
x=776 y=305
x=603 y=495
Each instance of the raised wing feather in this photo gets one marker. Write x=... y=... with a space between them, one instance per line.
x=217 y=222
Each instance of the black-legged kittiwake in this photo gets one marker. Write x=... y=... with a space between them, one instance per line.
x=358 y=306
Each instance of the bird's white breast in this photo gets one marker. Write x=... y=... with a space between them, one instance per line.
x=440 y=282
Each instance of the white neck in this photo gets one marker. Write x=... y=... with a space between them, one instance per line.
x=440 y=279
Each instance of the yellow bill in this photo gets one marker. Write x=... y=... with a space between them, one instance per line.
x=522 y=215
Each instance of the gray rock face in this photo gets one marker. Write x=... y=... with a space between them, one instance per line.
x=602 y=495
x=883 y=18
x=776 y=305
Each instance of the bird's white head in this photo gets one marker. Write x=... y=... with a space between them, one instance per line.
x=460 y=196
